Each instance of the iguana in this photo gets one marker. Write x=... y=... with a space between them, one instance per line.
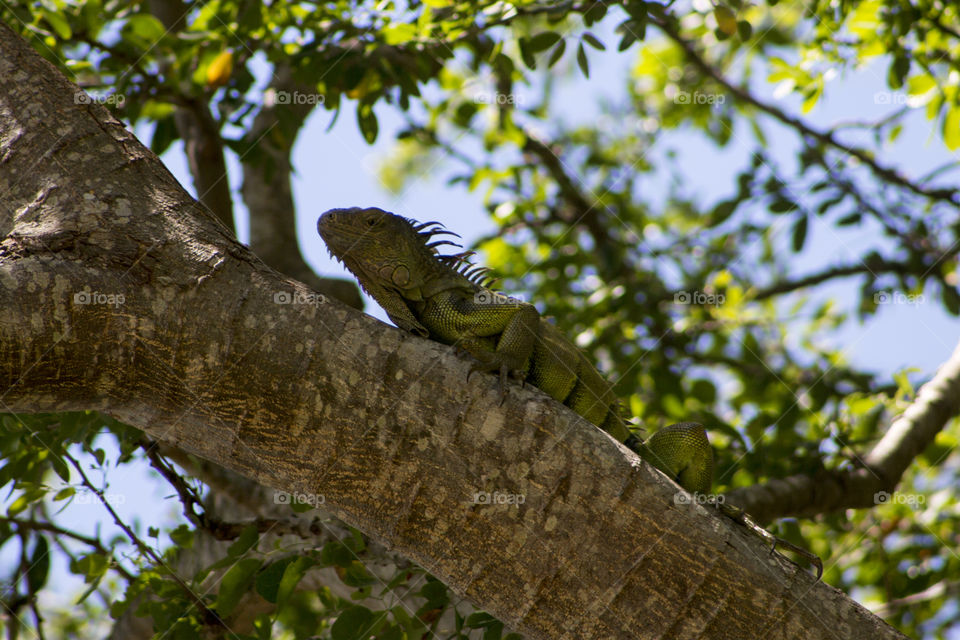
x=446 y=298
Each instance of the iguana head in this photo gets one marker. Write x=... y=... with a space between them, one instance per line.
x=385 y=250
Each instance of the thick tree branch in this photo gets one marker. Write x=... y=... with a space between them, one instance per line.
x=319 y=399
x=937 y=402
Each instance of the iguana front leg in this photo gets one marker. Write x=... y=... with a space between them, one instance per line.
x=397 y=309
x=500 y=332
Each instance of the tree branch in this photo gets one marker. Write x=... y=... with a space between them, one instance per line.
x=937 y=402
x=94 y=543
x=268 y=195
x=200 y=132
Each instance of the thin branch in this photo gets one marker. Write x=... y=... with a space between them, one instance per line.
x=827 y=138
x=933 y=592
x=210 y=616
x=874 y=267
x=35 y=525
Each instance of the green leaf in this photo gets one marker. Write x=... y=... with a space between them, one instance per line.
x=268 y=580
x=479 y=620
x=60 y=468
x=557 y=53
x=951 y=128
x=354 y=623
x=165 y=133
x=594 y=13
x=292 y=575
x=399 y=33
x=336 y=554
x=543 y=41
x=435 y=593
x=356 y=575
x=64 y=493
x=799 y=233
x=395 y=632
x=494 y=631
x=526 y=54
x=367 y=120
x=58 y=22
x=182 y=536
x=39 y=567
x=898 y=71
x=593 y=41
x=722 y=211
x=850 y=220
x=951 y=298
x=782 y=205
x=247 y=538
x=582 y=60
x=91 y=566
x=146 y=28
x=236 y=582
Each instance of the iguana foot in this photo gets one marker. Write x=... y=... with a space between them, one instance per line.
x=740 y=516
x=503 y=370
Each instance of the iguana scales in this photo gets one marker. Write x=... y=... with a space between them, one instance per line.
x=446 y=298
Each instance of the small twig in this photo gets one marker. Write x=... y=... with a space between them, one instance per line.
x=188 y=497
x=35 y=525
x=210 y=616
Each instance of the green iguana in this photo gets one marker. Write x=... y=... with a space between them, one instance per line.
x=445 y=298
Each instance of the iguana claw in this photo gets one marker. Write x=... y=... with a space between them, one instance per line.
x=739 y=515
x=504 y=372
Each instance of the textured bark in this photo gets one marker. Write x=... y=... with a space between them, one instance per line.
x=937 y=402
x=319 y=399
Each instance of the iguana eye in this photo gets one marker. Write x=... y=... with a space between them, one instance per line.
x=372 y=221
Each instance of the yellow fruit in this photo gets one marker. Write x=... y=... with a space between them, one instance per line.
x=726 y=20
x=218 y=73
